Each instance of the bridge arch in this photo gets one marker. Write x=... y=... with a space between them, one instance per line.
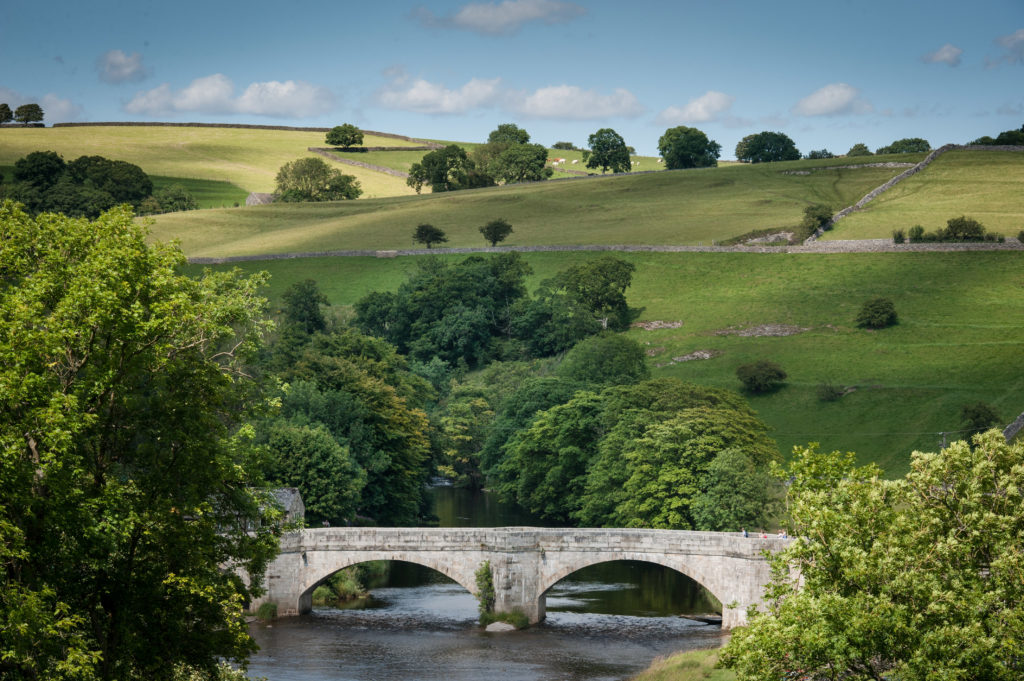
x=569 y=565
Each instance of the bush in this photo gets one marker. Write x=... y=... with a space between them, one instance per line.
x=484 y=589
x=964 y=228
x=899 y=236
x=916 y=234
x=977 y=417
x=830 y=392
x=761 y=376
x=877 y=313
x=818 y=216
x=1020 y=236
x=267 y=611
x=517 y=618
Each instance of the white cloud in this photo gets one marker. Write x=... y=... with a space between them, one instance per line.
x=115 y=66
x=705 y=108
x=947 y=54
x=55 y=109
x=504 y=17
x=422 y=96
x=575 y=103
x=1014 y=44
x=834 y=99
x=215 y=94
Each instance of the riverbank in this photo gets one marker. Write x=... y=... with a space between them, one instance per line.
x=695 y=665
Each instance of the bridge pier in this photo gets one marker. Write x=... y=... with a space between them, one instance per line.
x=516 y=584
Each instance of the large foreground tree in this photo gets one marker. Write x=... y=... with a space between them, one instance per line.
x=607 y=151
x=913 y=579
x=126 y=481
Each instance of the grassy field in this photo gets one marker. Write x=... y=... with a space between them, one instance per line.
x=209 y=193
x=679 y=207
x=985 y=185
x=959 y=338
x=244 y=157
x=695 y=665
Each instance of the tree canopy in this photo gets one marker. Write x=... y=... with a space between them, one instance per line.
x=916 y=579
x=496 y=230
x=6 y=115
x=445 y=170
x=312 y=179
x=607 y=150
x=859 y=149
x=766 y=147
x=127 y=481
x=683 y=147
x=428 y=235
x=508 y=133
x=28 y=113
x=345 y=135
x=907 y=145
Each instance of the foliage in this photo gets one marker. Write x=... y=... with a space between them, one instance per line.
x=344 y=585
x=1007 y=137
x=345 y=135
x=600 y=286
x=484 y=588
x=607 y=150
x=267 y=611
x=817 y=216
x=766 y=147
x=444 y=170
x=761 y=376
x=695 y=665
x=520 y=163
x=608 y=358
x=899 y=236
x=859 y=149
x=517 y=618
x=40 y=169
x=977 y=417
x=683 y=147
x=508 y=133
x=829 y=392
x=311 y=179
x=302 y=302
x=126 y=479
x=736 y=494
x=565 y=146
x=820 y=153
x=124 y=182
x=428 y=235
x=918 y=578
x=907 y=145
x=28 y=113
x=877 y=313
x=6 y=115
x=958 y=229
x=496 y=230
x=175 y=198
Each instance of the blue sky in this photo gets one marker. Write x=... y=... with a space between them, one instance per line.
x=828 y=73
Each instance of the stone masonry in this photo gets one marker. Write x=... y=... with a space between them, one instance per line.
x=525 y=561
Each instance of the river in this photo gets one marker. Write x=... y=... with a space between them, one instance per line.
x=605 y=622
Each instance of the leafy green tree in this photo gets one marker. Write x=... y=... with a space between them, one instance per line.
x=520 y=163
x=767 y=147
x=75 y=200
x=977 y=417
x=40 y=169
x=736 y=494
x=428 y=235
x=607 y=150
x=302 y=302
x=443 y=170
x=496 y=230
x=877 y=313
x=28 y=113
x=907 y=145
x=817 y=216
x=600 y=286
x=859 y=149
x=553 y=321
x=127 y=480
x=609 y=358
x=345 y=135
x=311 y=179
x=463 y=429
x=915 y=579
x=508 y=133
x=964 y=228
x=6 y=115
x=820 y=153
x=564 y=146
x=683 y=147
x=761 y=376
x=174 y=198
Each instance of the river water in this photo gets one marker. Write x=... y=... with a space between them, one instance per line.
x=607 y=621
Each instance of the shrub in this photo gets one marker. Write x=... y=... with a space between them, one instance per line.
x=818 y=216
x=761 y=376
x=877 y=313
x=964 y=228
x=830 y=392
x=899 y=236
x=1020 y=236
x=978 y=417
x=517 y=618
x=916 y=234
x=484 y=589
x=267 y=611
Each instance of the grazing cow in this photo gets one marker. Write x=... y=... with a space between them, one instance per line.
x=575 y=161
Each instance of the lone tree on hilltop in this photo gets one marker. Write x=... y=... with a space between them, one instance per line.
x=311 y=179
x=859 y=149
x=28 y=113
x=907 y=145
x=429 y=235
x=684 y=147
x=496 y=230
x=607 y=150
x=767 y=147
x=345 y=135
x=6 y=115
x=508 y=133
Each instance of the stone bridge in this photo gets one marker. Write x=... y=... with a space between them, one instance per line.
x=525 y=561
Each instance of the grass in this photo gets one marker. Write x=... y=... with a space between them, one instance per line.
x=247 y=158
x=679 y=207
x=695 y=665
x=208 y=193
x=985 y=185
x=958 y=341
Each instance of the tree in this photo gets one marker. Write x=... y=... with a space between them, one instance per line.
x=683 y=147
x=817 y=216
x=607 y=151
x=508 y=133
x=428 y=235
x=443 y=170
x=736 y=494
x=877 y=313
x=41 y=169
x=28 y=113
x=302 y=302
x=311 y=179
x=977 y=417
x=767 y=147
x=127 y=480
x=859 y=149
x=600 y=286
x=820 y=153
x=564 y=146
x=914 y=579
x=520 y=163
x=609 y=358
x=496 y=230
x=6 y=115
x=345 y=135
x=907 y=145
x=964 y=228
x=761 y=376
x=124 y=182
x=174 y=198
